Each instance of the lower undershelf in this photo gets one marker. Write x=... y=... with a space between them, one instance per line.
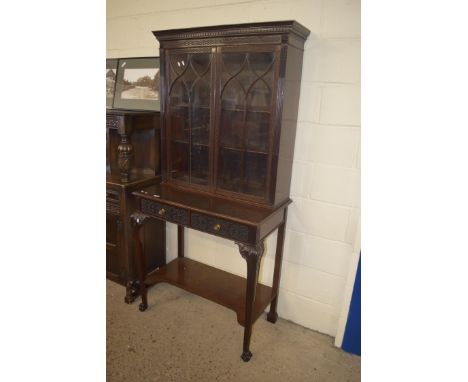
x=213 y=284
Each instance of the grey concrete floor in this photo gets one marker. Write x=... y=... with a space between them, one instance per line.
x=183 y=337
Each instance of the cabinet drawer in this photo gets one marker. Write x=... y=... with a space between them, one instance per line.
x=112 y=202
x=220 y=227
x=112 y=208
x=165 y=212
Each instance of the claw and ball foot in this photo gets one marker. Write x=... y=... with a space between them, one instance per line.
x=246 y=356
x=143 y=307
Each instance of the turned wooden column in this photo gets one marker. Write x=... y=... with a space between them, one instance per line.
x=252 y=255
x=125 y=156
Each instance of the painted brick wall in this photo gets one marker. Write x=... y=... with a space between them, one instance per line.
x=323 y=226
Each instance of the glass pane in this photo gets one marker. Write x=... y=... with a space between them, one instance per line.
x=233 y=97
x=200 y=125
x=232 y=124
x=200 y=64
x=229 y=166
x=244 y=135
x=201 y=92
x=177 y=63
x=178 y=93
x=255 y=174
x=259 y=96
x=179 y=123
x=261 y=62
x=247 y=79
x=189 y=110
x=256 y=127
x=179 y=156
x=234 y=62
x=199 y=165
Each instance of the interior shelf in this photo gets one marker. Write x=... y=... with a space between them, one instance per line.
x=245 y=150
x=236 y=109
x=213 y=284
x=187 y=105
x=246 y=110
x=185 y=142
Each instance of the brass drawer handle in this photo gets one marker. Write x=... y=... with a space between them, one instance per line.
x=217 y=227
x=162 y=211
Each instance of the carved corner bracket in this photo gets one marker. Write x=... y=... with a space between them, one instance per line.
x=247 y=251
x=138 y=218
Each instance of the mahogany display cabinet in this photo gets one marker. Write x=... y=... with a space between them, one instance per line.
x=132 y=162
x=230 y=97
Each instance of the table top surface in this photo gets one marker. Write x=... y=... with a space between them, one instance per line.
x=141 y=180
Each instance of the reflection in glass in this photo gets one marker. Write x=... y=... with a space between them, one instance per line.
x=229 y=176
x=179 y=165
x=179 y=123
x=232 y=124
x=256 y=128
x=255 y=174
x=200 y=125
x=199 y=165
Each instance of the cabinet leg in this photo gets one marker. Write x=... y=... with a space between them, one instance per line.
x=132 y=290
x=180 y=241
x=272 y=315
x=138 y=219
x=252 y=255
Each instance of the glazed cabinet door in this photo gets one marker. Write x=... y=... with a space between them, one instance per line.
x=247 y=103
x=188 y=116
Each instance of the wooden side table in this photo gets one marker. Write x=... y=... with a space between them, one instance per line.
x=243 y=223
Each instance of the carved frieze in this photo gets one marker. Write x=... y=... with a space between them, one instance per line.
x=165 y=212
x=248 y=251
x=220 y=227
x=138 y=218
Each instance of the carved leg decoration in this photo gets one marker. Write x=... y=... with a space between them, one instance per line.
x=125 y=154
x=272 y=315
x=132 y=288
x=137 y=222
x=253 y=255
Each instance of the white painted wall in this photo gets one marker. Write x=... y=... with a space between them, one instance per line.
x=322 y=234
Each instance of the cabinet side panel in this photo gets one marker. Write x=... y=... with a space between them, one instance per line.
x=285 y=153
x=145 y=157
x=153 y=240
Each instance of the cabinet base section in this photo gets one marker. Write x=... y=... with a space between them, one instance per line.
x=213 y=284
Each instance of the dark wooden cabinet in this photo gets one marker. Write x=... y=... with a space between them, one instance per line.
x=133 y=162
x=230 y=97
x=230 y=108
